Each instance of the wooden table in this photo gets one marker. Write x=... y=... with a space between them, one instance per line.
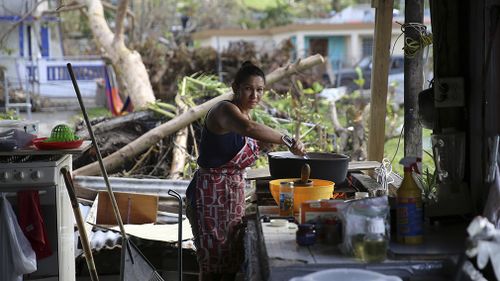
x=280 y=258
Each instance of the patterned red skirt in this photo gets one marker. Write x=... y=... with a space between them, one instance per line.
x=219 y=206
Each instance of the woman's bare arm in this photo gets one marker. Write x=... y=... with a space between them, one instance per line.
x=227 y=117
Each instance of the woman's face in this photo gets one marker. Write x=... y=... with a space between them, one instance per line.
x=250 y=92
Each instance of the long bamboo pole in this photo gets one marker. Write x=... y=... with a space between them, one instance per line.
x=115 y=160
x=87 y=250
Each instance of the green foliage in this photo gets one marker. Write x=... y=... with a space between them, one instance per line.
x=428 y=182
x=312 y=8
x=279 y=15
x=300 y=109
x=395 y=152
x=360 y=81
x=93 y=112
x=9 y=115
x=261 y=5
x=6 y=50
x=201 y=85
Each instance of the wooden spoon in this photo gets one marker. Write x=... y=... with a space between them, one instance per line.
x=304 y=176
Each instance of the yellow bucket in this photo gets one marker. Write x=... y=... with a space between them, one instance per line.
x=320 y=189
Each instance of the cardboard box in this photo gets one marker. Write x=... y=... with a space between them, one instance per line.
x=134 y=208
x=317 y=210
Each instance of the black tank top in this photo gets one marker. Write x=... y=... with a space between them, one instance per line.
x=216 y=150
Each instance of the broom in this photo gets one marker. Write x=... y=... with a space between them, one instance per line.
x=134 y=266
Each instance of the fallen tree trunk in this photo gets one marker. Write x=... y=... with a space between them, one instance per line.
x=180 y=140
x=128 y=152
x=127 y=63
x=115 y=123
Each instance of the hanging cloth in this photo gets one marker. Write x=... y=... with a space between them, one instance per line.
x=115 y=103
x=32 y=223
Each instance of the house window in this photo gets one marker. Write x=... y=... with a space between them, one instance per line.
x=44 y=34
x=367 y=47
x=21 y=39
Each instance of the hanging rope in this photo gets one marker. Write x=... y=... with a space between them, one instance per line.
x=413 y=46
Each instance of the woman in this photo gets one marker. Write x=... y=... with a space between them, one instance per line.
x=215 y=197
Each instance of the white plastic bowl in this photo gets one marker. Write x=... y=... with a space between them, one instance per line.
x=346 y=274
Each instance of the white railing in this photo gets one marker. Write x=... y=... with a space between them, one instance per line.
x=50 y=78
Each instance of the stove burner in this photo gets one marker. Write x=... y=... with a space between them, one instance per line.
x=10 y=159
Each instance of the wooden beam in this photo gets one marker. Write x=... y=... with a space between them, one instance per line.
x=379 y=79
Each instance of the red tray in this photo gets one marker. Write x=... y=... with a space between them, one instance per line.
x=40 y=144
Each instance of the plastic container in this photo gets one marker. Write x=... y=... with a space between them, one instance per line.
x=361 y=195
x=320 y=189
x=332 y=231
x=409 y=212
x=306 y=234
x=286 y=199
x=42 y=144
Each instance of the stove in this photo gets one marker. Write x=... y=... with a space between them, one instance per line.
x=35 y=171
x=32 y=169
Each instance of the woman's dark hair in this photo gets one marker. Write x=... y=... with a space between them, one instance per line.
x=246 y=70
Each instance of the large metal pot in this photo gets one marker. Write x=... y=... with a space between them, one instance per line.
x=325 y=166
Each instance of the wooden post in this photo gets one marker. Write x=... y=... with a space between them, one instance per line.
x=413 y=83
x=379 y=80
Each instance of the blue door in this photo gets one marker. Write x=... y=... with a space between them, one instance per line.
x=336 y=51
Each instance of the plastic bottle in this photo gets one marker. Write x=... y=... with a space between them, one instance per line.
x=286 y=199
x=409 y=215
x=375 y=241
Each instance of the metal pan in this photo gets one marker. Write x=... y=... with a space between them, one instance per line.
x=324 y=165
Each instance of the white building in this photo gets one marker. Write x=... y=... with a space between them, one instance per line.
x=32 y=53
x=344 y=38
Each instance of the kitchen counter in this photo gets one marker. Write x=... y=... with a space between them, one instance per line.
x=274 y=255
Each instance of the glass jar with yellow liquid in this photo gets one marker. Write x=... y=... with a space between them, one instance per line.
x=375 y=241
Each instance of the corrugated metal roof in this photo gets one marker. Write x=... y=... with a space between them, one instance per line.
x=103 y=238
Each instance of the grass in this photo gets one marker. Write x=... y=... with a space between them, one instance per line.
x=391 y=149
x=92 y=112
x=261 y=5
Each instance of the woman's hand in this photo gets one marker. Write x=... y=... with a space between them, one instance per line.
x=298 y=148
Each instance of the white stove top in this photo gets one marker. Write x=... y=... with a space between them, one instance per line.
x=35 y=168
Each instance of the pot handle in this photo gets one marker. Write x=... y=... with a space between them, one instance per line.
x=305 y=173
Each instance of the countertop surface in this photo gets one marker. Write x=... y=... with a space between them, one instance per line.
x=285 y=259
